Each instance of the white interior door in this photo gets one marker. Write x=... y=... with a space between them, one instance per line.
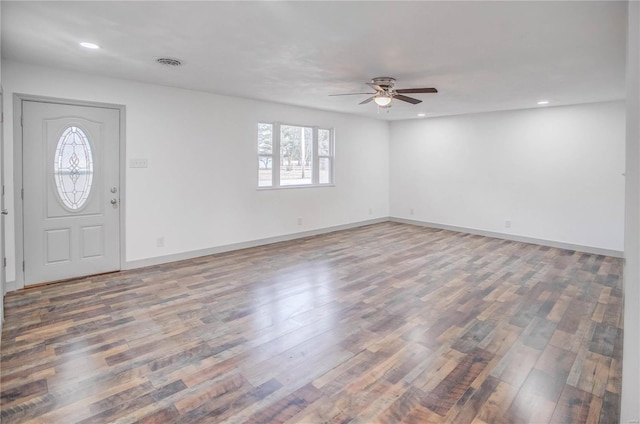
x=71 y=191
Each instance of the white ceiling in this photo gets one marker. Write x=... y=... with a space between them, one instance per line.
x=480 y=55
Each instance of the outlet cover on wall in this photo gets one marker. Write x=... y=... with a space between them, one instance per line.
x=507 y=223
x=160 y=242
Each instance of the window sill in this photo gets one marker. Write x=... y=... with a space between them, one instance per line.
x=294 y=187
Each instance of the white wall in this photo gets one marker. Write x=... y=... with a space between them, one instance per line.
x=554 y=172
x=631 y=351
x=199 y=190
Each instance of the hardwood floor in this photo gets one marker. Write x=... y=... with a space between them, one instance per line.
x=386 y=323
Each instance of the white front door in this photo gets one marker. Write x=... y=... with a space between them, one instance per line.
x=71 y=183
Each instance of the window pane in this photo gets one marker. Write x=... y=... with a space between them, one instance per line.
x=324 y=142
x=325 y=171
x=295 y=155
x=73 y=168
x=264 y=171
x=265 y=138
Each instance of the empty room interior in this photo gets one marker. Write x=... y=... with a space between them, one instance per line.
x=320 y=212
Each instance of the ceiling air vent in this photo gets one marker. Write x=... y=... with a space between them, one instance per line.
x=167 y=61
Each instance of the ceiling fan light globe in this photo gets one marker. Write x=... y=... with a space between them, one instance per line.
x=382 y=101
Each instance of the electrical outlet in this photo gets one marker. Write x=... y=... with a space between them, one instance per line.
x=299 y=221
x=507 y=223
x=410 y=211
x=370 y=211
x=160 y=242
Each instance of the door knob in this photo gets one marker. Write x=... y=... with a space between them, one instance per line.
x=5 y=212
x=114 y=201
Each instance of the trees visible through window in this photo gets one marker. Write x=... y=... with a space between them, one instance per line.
x=290 y=155
x=265 y=154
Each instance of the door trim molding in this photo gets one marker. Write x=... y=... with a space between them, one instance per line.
x=18 y=99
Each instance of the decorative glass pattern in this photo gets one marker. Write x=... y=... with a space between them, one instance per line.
x=73 y=168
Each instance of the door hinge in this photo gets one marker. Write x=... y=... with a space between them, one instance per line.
x=22 y=266
x=2 y=118
x=21 y=121
x=4 y=262
x=3 y=189
x=22 y=193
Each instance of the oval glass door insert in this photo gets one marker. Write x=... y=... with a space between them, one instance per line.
x=73 y=168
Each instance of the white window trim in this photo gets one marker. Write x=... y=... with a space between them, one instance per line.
x=315 y=173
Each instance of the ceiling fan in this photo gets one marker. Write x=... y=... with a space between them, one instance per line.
x=385 y=92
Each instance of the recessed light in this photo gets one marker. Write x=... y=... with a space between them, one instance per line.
x=543 y=102
x=422 y=115
x=89 y=45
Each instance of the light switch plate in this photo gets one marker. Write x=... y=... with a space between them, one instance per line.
x=138 y=163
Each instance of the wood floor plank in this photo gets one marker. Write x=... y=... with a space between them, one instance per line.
x=573 y=406
x=498 y=403
x=453 y=387
x=385 y=323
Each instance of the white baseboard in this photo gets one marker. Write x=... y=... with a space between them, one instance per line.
x=513 y=237
x=244 y=245
x=12 y=285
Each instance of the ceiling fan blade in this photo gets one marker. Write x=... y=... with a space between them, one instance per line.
x=349 y=94
x=407 y=99
x=416 y=90
x=375 y=86
x=368 y=100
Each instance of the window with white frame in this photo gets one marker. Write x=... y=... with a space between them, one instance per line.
x=292 y=155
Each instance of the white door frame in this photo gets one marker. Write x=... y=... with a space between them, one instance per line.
x=3 y=250
x=18 y=98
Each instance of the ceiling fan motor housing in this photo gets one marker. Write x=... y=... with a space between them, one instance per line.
x=384 y=82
